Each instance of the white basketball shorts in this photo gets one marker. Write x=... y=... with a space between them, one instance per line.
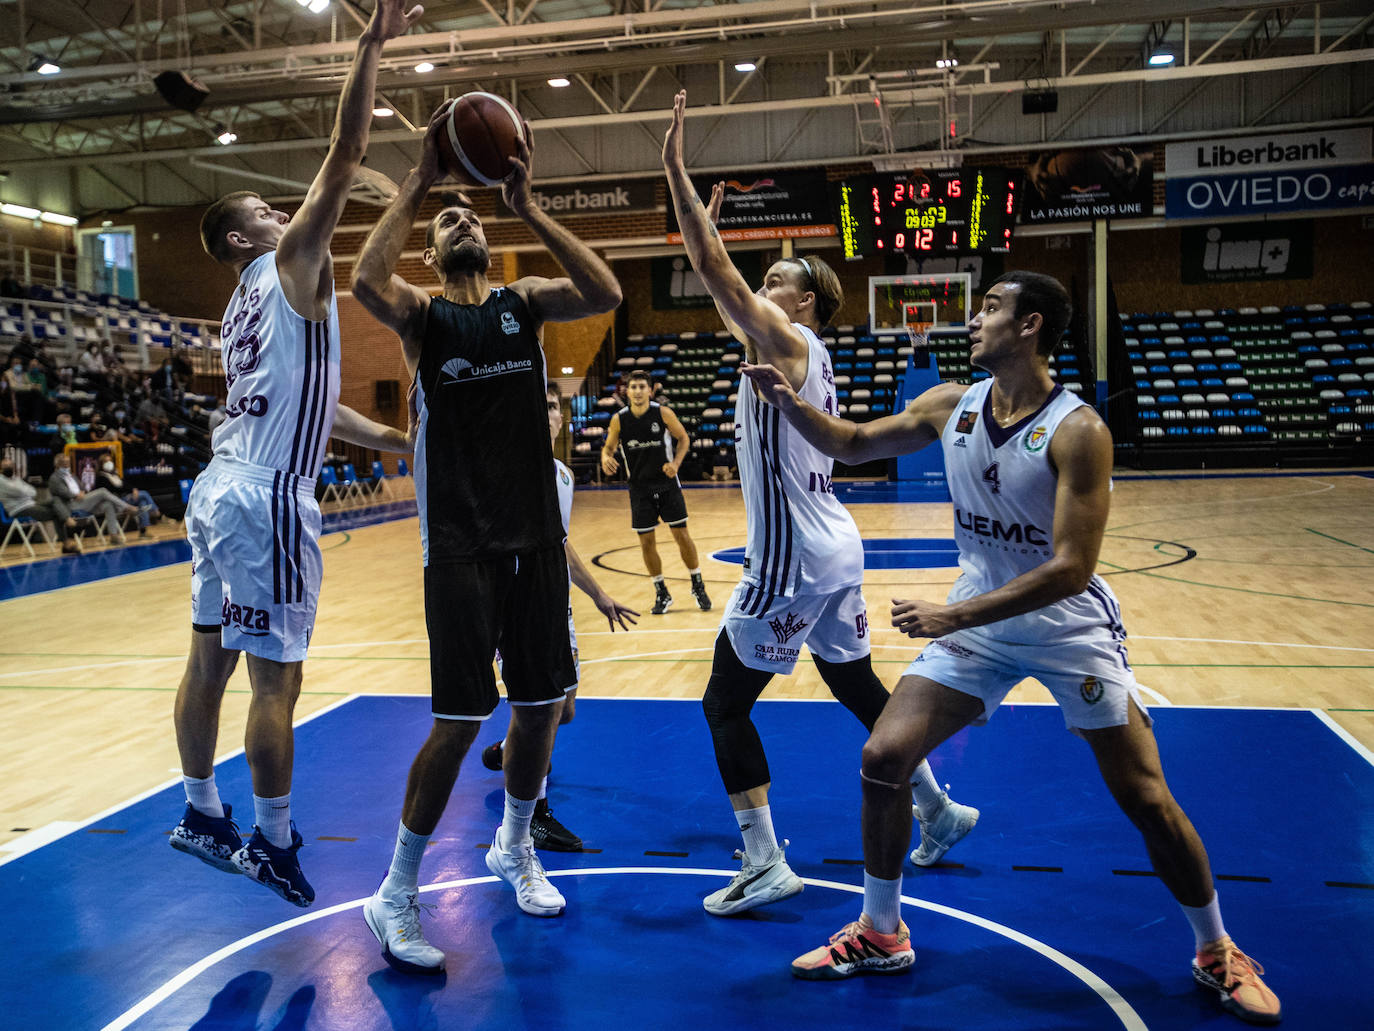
x=255 y=558
x=1087 y=673
x=767 y=632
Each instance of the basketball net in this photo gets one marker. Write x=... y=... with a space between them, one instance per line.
x=919 y=333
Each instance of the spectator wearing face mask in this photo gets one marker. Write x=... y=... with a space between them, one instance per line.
x=67 y=495
x=108 y=479
x=20 y=498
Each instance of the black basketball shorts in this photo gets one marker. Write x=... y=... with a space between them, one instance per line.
x=648 y=506
x=517 y=603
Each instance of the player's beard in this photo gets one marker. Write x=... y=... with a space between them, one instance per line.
x=466 y=258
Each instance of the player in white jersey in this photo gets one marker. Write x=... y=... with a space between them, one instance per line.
x=803 y=568
x=252 y=519
x=545 y=829
x=1029 y=469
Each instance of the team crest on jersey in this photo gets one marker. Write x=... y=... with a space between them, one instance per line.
x=785 y=630
x=563 y=475
x=1091 y=690
x=966 y=422
x=1036 y=439
x=654 y=428
x=509 y=325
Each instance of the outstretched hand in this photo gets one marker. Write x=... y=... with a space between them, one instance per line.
x=672 y=142
x=616 y=612
x=713 y=207
x=430 y=168
x=390 y=19
x=772 y=385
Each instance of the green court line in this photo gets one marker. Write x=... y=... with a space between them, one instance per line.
x=1348 y=544
x=1241 y=590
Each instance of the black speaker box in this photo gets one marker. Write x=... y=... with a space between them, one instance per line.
x=180 y=90
x=1039 y=102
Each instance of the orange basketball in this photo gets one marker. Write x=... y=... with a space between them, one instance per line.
x=479 y=137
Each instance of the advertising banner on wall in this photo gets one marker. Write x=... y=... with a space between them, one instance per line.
x=776 y=206
x=595 y=198
x=1088 y=183
x=676 y=284
x=1262 y=175
x=1247 y=251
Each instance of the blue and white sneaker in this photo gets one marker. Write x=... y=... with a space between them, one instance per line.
x=211 y=840
x=276 y=868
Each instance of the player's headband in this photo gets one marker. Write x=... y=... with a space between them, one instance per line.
x=807 y=265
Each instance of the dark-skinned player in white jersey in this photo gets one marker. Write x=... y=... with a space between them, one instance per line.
x=496 y=573
x=252 y=520
x=1029 y=467
x=803 y=574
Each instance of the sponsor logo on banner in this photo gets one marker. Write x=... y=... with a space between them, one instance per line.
x=1267 y=193
x=596 y=198
x=1240 y=251
x=1089 y=183
x=782 y=205
x=1267 y=153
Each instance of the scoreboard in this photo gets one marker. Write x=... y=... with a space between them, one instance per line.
x=940 y=212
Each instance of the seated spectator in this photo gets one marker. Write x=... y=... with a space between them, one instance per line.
x=90 y=361
x=100 y=429
x=108 y=479
x=66 y=432
x=67 y=495
x=20 y=498
x=38 y=376
x=26 y=396
x=9 y=414
x=165 y=380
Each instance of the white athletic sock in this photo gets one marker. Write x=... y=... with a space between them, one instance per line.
x=1206 y=922
x=694 y=572
x=404 y=875
x=925 y=792
x=515 y=825
x=273 y=817
x=203 y=795
x=658 y=579
x=883 y=902
x=756 y=826
x=543 y=789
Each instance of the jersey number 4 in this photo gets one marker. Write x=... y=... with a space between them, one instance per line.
x=991 y=479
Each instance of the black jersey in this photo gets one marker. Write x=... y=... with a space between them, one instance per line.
x=482 y=450
x=644 y=444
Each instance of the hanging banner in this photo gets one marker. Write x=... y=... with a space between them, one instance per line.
x=1268 y=193
x=776 y=206
x=1246 y=251
x=1088 y=183
x=1275 y=152
x=594 y=198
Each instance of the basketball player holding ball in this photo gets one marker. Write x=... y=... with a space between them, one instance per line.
x=495 y=572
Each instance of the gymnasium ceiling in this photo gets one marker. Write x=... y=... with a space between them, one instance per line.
x=836 y=81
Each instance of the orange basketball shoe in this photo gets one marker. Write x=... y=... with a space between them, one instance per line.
x=858 y=949
x=1234 y=976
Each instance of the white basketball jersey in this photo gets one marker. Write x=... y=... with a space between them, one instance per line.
x=801 y=539
x=1003 y=486
x=563 y=480
x=282 y=371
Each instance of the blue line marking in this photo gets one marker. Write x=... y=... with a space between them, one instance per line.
x=886 y=553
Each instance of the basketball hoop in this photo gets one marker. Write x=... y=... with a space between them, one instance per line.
x=919 y=333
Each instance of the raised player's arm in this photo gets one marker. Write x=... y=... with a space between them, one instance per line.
x=303 y=260
x=761 y=321
x=681 y=441
x=609 y=464
x=911 y=429
x=400 y=306
x=605 y=604
x=590 y=287
x=1081 y=451
x=356 y=428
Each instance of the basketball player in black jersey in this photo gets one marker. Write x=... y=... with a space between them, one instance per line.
x=639 y=431
x=495 y=571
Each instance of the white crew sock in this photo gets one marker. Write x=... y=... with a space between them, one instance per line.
x=925 y=792
x=404 y=875
x=756 y=826
x=658 y=579
x=203 y=795
x=543 y=789
x=1205 y=921
x=515 y=825
x=273 y=817
x=694 y=572
x=883 y=902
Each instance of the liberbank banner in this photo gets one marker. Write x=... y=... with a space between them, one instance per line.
x=1265 y=175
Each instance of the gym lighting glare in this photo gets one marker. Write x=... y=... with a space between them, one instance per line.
x=558 y=82
x=424 y=67
x=58 y=220
x=947 y=62
x=1160 y=59
x=745 y=66
x=20 y=210
x=383 y=112
x=224 y=136
x=314 y=6
x=43 y=66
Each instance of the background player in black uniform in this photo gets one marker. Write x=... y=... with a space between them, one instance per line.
x=495 y=571
x=639 y=430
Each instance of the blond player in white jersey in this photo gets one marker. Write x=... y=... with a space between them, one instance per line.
x=1029 y=468
x=252 y=519
x=803 y=569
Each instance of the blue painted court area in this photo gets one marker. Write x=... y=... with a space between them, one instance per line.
x=886 y=553
x=1046 y=916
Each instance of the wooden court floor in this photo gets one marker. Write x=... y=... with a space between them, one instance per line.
x=1248 y=590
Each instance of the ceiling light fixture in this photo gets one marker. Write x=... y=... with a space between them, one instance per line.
x=43 y=66
x=20 y=210
x=424 y=67
x=1160 y=58
x=745 y=66
x=947 y=62
x=314 y=6
x=224 y=136
x=558 y=82
x=58 y=220
x=383 y=112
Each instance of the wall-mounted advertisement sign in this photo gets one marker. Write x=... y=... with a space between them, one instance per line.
x=1088 y=183
x=776 y=206
x=1247 y=251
